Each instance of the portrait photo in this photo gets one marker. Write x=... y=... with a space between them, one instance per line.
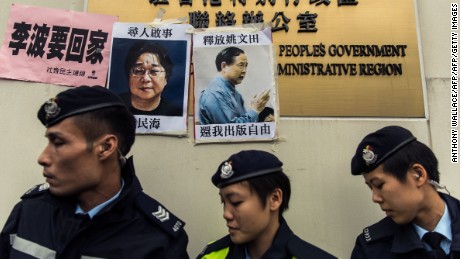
x=234 y=86
x=149 y=70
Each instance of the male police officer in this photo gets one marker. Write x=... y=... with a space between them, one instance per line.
x=402 y=174
x=255 y=192
x=92 y=204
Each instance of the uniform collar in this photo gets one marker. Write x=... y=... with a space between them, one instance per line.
x=406 y=239
x=453 y=207
x=280 y=241
x=131 y=186
x=443 y=227
x=99 y=207
x=276 y=250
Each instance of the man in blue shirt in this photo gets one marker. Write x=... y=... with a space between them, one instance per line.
x=220 y=102
x=403 y=176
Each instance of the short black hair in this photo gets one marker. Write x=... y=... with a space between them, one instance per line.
x=113 y=120
x=227 y=55
x=142 y=47
x=266 y=184
x=415 y=152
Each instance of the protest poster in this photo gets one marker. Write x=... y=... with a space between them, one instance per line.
x=235 y=87
x=149 y=69
x=56 y=46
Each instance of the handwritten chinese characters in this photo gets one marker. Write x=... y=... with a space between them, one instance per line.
x=72 y=44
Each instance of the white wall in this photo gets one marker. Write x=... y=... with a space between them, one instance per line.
x=329 y=207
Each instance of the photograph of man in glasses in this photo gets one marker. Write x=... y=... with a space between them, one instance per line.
x=148 y=68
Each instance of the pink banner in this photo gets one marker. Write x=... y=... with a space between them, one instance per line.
x=56 y=46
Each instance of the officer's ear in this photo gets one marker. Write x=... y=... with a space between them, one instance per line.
x=106 y=146
x=275 y=199
x=418 y=172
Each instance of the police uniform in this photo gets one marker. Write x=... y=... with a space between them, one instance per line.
x=386 y=239
x=242 y=166
x=134 y=225
x=285 y=245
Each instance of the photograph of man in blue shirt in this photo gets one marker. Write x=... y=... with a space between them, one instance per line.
x=220 y=102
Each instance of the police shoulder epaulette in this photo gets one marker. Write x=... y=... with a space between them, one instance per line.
x=216 y=246
x=382 y=229
x=157 y=213
x=36 y=190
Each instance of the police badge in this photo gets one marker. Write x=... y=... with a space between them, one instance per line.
x=226 y=170
x=51 y=108
x=369 y=156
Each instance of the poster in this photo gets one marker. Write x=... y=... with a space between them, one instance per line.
x=56 y=46
x=149 y=69
x=235 y=89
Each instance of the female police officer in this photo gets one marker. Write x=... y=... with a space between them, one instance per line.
x=403 y=175
x=255 y=192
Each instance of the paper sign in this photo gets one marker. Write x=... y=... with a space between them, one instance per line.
x=235 y=86
x=56 y=46
x=149 y=69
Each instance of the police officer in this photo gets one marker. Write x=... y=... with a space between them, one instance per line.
x=92 y=204
x=403 y=176
x=255 y=192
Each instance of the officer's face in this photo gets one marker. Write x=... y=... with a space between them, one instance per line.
x=400 y=201
x=70 y=165
x=248 y=221
x=147 y=86
x=235 y=72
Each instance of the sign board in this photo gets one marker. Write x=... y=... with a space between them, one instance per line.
x=335 y=57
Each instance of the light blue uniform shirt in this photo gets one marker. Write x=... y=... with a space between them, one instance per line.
x=443 y=227
x=99 y=207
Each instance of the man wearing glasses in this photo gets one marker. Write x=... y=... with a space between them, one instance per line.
x=148 y=67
